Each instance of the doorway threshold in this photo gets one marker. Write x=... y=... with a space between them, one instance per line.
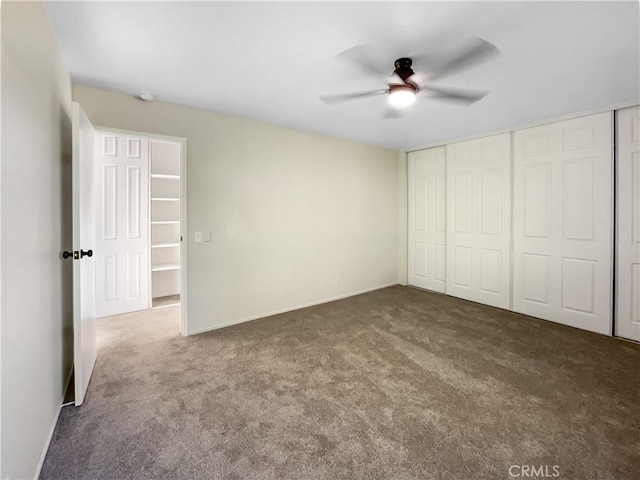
x=167 y=301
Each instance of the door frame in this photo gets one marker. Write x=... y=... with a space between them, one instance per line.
x=182 y=141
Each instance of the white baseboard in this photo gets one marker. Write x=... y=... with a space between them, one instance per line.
x=48 y=442
x=290 y=309
x=53 y=428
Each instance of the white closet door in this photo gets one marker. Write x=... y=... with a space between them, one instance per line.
x=479 y=220
x=628 y=251
x=563 y=203
x=427 y=219
x=122 y=229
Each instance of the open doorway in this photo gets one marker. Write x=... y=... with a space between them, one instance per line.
x=112 y=195
x=140 y=222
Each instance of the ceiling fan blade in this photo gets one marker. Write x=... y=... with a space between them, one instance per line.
x=331 y=99
x=477 y=51
x=366 y=58
x=465 y=97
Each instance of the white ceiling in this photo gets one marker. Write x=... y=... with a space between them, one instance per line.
x=270 y=60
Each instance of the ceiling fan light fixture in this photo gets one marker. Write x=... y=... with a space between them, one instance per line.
x=401 y=96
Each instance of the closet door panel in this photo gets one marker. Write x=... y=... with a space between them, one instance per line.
x=479 y=220
x=427 y=219
x=563 y=201
x=628 y=221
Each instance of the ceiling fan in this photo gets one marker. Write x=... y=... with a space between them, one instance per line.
x=405 y=85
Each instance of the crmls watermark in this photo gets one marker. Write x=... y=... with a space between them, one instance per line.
x=534 y=471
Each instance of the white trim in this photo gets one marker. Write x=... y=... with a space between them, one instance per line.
x=403 y=204
x=512 y=154
x=537 y=123
x=182 y=141
x=154 y=136
x=164 y=176
x=612 y=238
x=290 y=309
x=47 y=443
x=184 y=239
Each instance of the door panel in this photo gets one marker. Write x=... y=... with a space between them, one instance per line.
x=84 y=315
x=462 y=266
x=109 y=217
x=122 y=276
x=563 y=202
x=490 y=270
x=537 y=200
x=628 y=221
x=133 y=207
x=479 y=220
x=427 y=219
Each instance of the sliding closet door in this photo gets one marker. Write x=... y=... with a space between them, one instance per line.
x=563 y=203
x=628 y=251
x=427 y=219
x=479 y=220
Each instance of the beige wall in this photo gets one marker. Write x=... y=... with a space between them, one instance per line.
x=296 y=218
x=36 y=344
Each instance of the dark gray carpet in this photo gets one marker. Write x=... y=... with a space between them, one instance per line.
x=394 y=384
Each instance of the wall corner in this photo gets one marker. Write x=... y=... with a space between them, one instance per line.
x=402 y=217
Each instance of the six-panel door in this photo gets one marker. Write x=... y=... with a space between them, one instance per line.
x=562 y=219
x=122 y=227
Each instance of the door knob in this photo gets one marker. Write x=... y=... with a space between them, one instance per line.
x=77 y=255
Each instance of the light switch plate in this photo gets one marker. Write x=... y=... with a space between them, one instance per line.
x=198 y=237
x=206 y=236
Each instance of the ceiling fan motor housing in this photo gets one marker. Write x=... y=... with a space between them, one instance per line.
x=404 y=86
x=403 y=68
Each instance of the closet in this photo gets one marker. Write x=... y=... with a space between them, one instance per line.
x=528 y=221
x=165 y=222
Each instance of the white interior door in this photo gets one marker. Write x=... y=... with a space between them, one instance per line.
x=84 y=317
x=122 y=214
x=563 y=203
x=426 y=234
x=479 y=220
x=628 y=221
